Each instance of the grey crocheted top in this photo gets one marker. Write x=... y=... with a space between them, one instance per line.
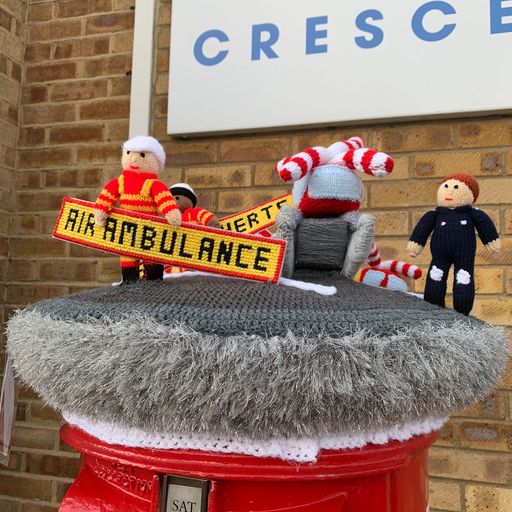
x=223 y=357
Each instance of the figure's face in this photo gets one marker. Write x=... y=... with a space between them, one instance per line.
x=183 y=202
x=454 y=193
x=143 y=161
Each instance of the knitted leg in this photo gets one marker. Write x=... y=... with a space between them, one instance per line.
x=129 y=269
x=435 y=288
x=154 y=272
x=464 y=285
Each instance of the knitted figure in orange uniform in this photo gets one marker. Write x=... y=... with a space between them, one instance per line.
x=138 y=190
x=186 y=200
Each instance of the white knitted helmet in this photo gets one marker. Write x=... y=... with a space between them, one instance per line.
x=142 y=143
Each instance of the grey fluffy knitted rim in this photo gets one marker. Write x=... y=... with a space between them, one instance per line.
x=142 y=374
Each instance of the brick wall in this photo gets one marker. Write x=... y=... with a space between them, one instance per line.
x=74 y=118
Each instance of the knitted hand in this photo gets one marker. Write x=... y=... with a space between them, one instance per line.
x=100 y=217
x=174 y=217
x=494 y=246
x=414 y=249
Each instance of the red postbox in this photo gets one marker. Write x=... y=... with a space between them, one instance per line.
x=376 y=478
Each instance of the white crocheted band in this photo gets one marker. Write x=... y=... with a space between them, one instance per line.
x=300 y=450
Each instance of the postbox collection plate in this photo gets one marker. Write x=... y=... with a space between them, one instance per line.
x=180 y=494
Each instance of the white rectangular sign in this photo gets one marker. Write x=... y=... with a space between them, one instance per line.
x=260 y=64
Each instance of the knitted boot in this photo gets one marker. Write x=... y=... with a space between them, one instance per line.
x=130 y=274
x=154 y=272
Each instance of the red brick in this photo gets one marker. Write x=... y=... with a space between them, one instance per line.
x=83 y=90
x=121 y=86
x=164 y=14
x=163 y=37
x=413 y=138
x=5 y=20
x=35 y=94
x=76 y=133
x=28 y=179
x=162 y=61
x=41 y=413
x=32 y=136
x=103 y=66
x=52 y=465
x=38 y=201
x=43 y=247
x=25 y=225
x=72 y=8
x=160 y=107
x=53 y=30
x=39 y=437
x=74 y=270
x=51 y=157
x=81 y=48
x=478 y=134
x=37 y=52
x=22 y=270
x=117 y=131
x=23 y=294
x=110 y=23
x=15 y=71
x=218 y=177
x=9 y=505
x=40 y=12
x=236 y=201
x=253 y=149
x=48 y=72
x=121 y=42
x=48 y=114
x=73 y=178
x=100 y=154
x=106 y=109
x=36 y=507
x=27 y=488
x=190 y=153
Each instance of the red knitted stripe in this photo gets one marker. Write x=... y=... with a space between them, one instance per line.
x=366 y=161
x=101 y=207
x=285 y=175
x=417 y=273
x=169 y=208
x=138 y=202
x=389 y=164
x=363 y=273
x=405 y=269
x=348 y=159
x=394 y=264
x=384 y=282
x=106 y=198
x=317 y=208
x=301 y=163
x=313 y=153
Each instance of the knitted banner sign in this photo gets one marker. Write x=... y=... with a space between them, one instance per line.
x=257 y=218
x=190 y=246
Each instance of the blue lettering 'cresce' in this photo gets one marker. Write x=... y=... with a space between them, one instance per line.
x=259 y=45
x=498 y=12
x=377 y=35
x=313 y=34
x=420 y=30
x=221 y=37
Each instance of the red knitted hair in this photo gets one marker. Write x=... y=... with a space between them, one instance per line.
x=468 y=180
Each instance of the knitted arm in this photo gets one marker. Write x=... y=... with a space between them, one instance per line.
x=108 y=196
x=424 y=228
x=484 y=226
x=163 y=197
x=204 y=217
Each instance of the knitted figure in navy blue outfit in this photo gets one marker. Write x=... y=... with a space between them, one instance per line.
x=452 y=225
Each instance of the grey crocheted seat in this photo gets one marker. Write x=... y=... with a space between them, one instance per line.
x=220 y=357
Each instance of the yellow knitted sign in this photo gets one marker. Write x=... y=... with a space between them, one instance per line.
x=256 y=218
x=190 y=246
